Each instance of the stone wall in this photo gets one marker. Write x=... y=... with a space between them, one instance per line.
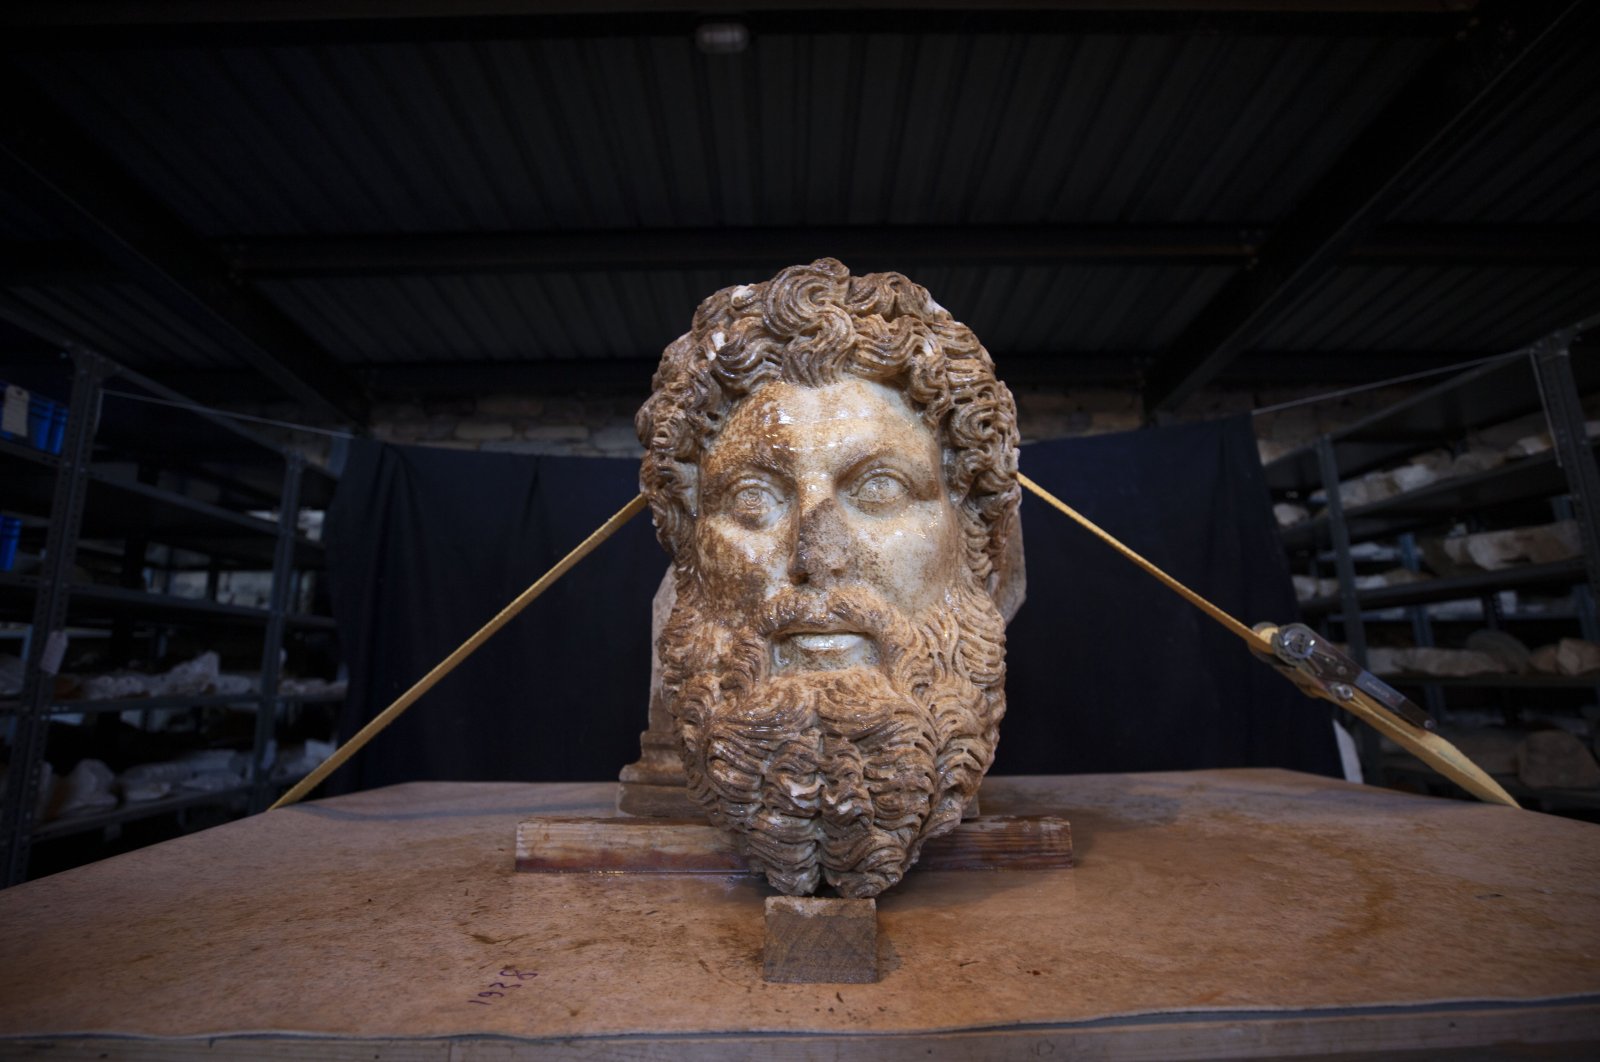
x=602 y=426
x=594 y=426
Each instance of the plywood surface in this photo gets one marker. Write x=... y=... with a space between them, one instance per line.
x=555 y=844
x=396 y=913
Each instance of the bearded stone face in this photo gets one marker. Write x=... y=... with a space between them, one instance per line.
x=831 y=462
x=834 y=662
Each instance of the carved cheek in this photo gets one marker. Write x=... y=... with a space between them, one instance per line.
x=739 y=566
x=910 y=557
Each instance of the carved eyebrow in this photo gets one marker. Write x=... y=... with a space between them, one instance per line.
x=762 y=461
x=924 y=477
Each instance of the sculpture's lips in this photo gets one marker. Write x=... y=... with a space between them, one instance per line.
x=823 y=649
x=826 y=641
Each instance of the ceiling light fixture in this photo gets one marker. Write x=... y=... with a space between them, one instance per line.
x=722 y=38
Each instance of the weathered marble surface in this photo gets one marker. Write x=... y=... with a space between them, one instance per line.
x=1254 y=903
x=831 y=462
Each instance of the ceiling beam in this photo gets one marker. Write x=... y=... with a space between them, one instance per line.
x=861 y=247
x=51 y=165
x=257 y=12
x=1440 y=109
x=630 y=377
x=26 y=263
x=889 y=247
x=33 y=25
x=1489 y=245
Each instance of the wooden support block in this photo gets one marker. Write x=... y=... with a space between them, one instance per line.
x=1002 y=842
x=625 y=845
x=679 y=846
x=651 y=801
x=820 y=941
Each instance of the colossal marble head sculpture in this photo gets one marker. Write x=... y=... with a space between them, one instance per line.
x=832 y=465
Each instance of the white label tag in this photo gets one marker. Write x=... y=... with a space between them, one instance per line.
x=55 y=648
x=15 y=417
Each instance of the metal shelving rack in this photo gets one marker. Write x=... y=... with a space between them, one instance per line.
x=1548 y=377
x=86 y=500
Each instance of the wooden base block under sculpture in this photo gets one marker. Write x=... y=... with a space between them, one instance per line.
x=1237 y=913
x=812 y=939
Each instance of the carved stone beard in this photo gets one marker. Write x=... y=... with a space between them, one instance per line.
x=836 y=774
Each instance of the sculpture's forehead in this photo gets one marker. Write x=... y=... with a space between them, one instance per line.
x=794 y=420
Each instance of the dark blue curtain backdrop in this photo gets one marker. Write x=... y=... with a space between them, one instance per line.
x=424 y=547
x=1108 y=670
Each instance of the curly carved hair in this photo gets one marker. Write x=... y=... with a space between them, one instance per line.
x=815 y=325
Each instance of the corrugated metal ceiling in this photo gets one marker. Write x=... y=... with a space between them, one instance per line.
x=1537 y=162
x=125 y=322
x=806 y=130
x=596 y=132
x=1028 y=311
x=1367 y=308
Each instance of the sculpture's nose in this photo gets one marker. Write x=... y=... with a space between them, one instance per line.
x=820 y=551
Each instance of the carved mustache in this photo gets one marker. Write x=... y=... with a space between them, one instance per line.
x=856 y=609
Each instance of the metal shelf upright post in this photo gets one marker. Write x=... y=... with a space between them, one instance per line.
x=47 y=633
x=1355 y=634
x=272 y=642
x=1552 y=369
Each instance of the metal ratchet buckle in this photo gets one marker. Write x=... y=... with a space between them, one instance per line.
x=1301 y=651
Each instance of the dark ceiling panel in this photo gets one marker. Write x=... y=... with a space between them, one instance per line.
x=1469 y=81
x=127 y=323
x=467 y=188
x=19 y=221
x=553 y=316
x=805 y=130
x=1437 y=308
x=1534 y=163
x=110 y=24
x=62 y=172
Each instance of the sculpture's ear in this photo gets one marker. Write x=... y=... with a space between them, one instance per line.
x=660 y=609
x=1008 y=583
x=690 y=471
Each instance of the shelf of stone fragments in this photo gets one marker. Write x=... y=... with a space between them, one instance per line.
x=1452 y=587
x=1507 y=682
x=248 y=701
x=18 y=458
x=1400 y=767
x=1437 y=503
x=117 y=507
x=185 y=439
x=1457 y=615
x=144 y=809
x=94 y=603
x=142 y=704
x=1478 y=398
x=1210 y=914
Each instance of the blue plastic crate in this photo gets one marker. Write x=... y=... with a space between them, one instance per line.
x=10 y=534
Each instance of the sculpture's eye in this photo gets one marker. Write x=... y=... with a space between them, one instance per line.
x=753 y=504
x=879 y=491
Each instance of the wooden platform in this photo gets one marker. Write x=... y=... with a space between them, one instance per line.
x=572 y=844
x=1210 y=914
